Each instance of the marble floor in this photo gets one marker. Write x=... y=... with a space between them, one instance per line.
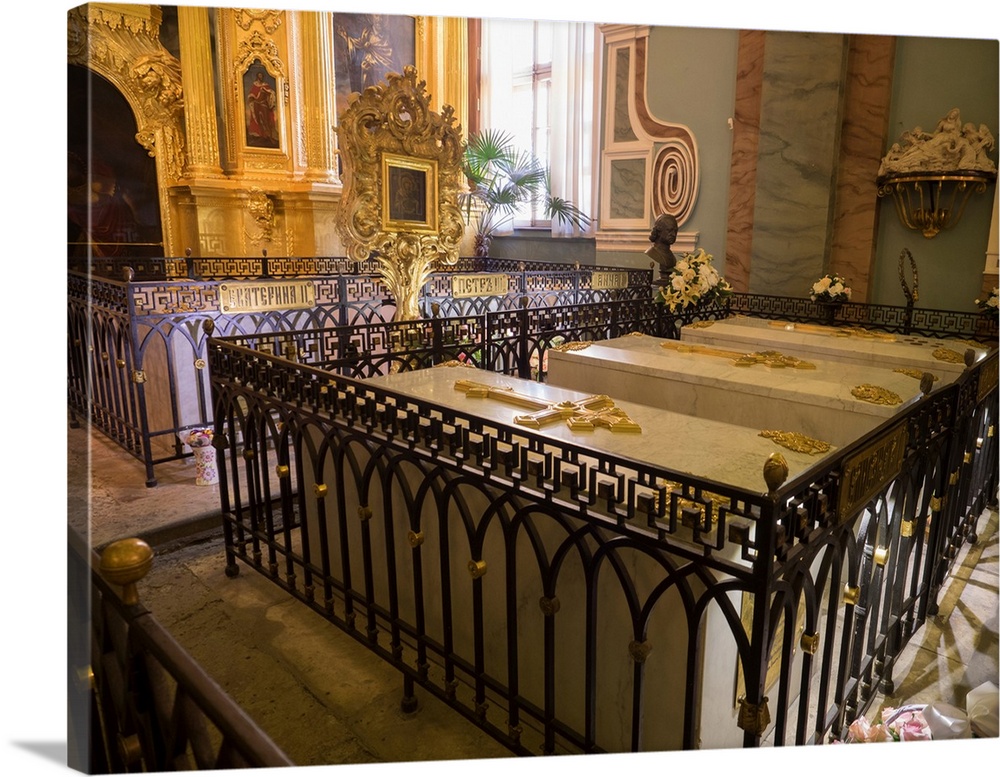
x=325 y=700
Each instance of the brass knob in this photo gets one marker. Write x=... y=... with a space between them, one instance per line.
x=126 y=562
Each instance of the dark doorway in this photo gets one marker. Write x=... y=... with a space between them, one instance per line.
x=113 y=198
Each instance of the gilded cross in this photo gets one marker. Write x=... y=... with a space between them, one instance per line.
x=582 y=415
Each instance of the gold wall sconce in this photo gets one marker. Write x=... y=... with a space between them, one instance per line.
x=932 y=175
x=931 y=202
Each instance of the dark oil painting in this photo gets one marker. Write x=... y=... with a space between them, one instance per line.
x=260 y=95
x=368 y=46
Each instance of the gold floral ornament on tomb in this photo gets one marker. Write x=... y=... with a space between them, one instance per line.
x=575 y=345
x=877 y=395
x=402 y=173
x=913 y=372
x=943 y=354
x=796 y=442
x=767 y=358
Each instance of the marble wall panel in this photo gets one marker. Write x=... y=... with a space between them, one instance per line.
x=796 y=161
x=743 y=166
x=867 y=96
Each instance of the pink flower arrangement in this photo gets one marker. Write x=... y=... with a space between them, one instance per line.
x=903 y=724
x=199 y=438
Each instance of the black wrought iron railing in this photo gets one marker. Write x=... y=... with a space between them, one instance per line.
x=569 y=600
x=138 y=702
x=136 y=346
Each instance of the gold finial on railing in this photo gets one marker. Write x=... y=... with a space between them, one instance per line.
x=125 y=563
x=775 y=472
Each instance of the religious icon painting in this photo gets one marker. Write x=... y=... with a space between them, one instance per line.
x=367 y=47
x=260 y=99
x=409 y=194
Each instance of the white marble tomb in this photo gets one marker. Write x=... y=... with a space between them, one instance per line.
x=705 y=383
x=941 y=357
x=672 y=440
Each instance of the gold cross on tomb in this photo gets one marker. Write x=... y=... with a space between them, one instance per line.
x=582 y=415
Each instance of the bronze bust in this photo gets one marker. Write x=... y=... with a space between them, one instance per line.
x=662 y=236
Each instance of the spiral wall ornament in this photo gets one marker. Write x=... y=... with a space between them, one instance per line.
x=675 y=180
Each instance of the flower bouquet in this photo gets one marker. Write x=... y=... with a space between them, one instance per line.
x=205 y=463
x=830 y=288
x=693 y=281
x=989 y=305
x=199 y=438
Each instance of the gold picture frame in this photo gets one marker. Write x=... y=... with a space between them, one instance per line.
x=409 y=194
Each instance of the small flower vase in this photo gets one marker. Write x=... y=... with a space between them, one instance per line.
x=829 y=308
x=206 y=469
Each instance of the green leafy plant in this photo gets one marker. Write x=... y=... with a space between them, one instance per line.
x=502 y=178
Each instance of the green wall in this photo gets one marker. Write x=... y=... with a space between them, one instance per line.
x=932 y=76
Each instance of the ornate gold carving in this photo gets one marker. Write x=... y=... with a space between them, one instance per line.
x=796 y=442
x=270 y=20
x=395 y=118
x=767 y=358
x=948 y=355
x=456 y=363
x=583 y=415
x=753 y=718
x=868 y=470
x=700 y=324
x=256 y=46
x=123 y=46
x=876 y=395
x=576 y=345
x=138 y=376
x=913 y=372
x=639 y=650
x=261 y=209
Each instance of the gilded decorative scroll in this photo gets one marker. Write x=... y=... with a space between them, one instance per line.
x=386 y=123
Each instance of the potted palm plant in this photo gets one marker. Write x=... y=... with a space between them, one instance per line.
x=502 y=178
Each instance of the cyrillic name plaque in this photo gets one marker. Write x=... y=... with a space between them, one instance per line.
x=479 y=285
x=608 y=280
x=256 y=296
x=868 y=470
